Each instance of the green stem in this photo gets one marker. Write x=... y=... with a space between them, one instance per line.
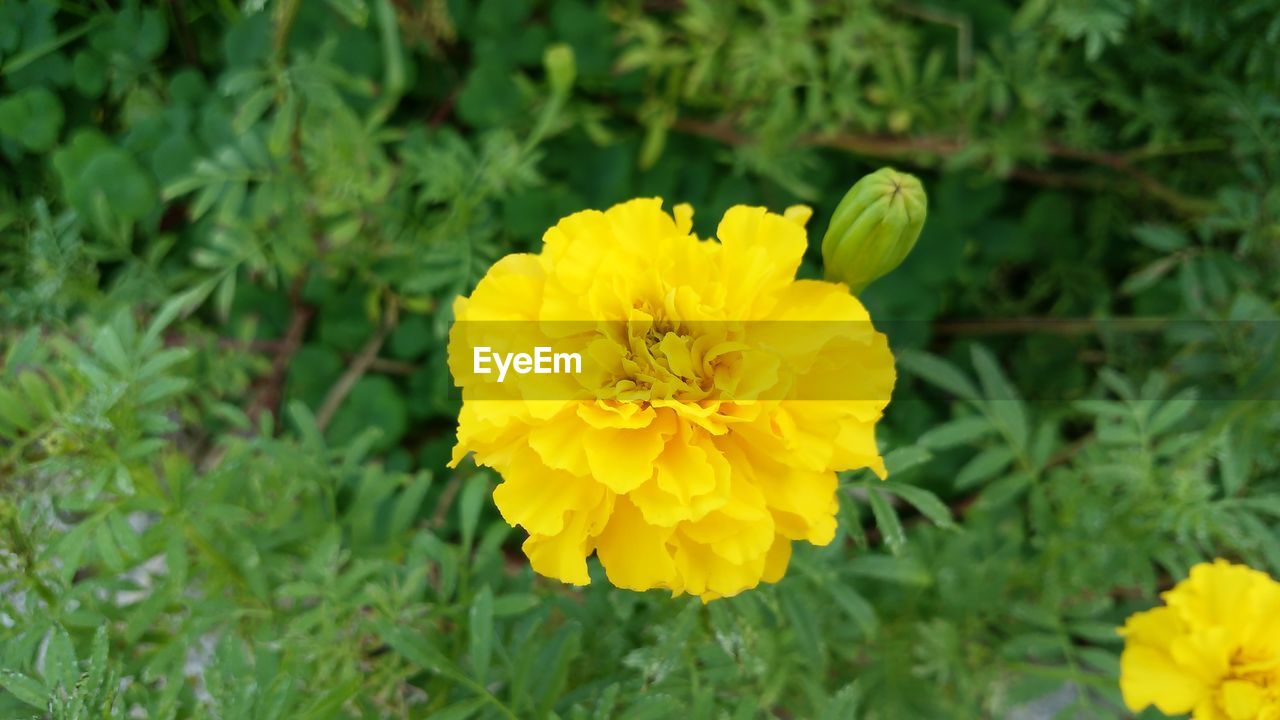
x=17 y=62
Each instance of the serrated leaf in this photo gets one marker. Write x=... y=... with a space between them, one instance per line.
x=107 y=549
x=60 y=667
x=1172 y=411
x=938 y=372
x=1004 y=490
x=898 y=569
x=551 y=674
x=1101 y=660
x=97 y=668
x=1003 y=405
x=904 y=458
x=26 y=689
x=414 y=647
x=1231 y=466
x=1165 y=238
x=923 y=500
x=861 y=612
x=844 y=703
x=886 y=519
x=956 y=432
x=801 y=617
x=983 y=466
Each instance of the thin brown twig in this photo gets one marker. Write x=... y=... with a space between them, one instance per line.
x=389 y=366
x=1045 y=325
x=358 y=367
x=447 y=497
x=392 y=367
x=183 y=31
x=443 y=111
x=887 y=146
x=271 y=388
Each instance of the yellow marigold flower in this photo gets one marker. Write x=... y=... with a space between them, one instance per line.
x=681 y=456
x=1213 y=650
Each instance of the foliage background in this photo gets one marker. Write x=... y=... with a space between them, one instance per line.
x=230 y=233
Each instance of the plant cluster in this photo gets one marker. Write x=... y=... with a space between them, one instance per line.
x=231 y=235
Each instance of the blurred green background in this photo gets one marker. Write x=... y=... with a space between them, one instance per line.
x=231 y=233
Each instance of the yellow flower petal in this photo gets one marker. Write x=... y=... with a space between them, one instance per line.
x=1150 y=677
x=1242 y=700
x=634 y=553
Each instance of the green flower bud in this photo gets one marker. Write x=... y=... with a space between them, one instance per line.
x=561 y=68
x=874 y=228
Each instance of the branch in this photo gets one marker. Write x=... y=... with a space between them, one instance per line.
x=271 y=388
x=888 y=146
x=359 y=366
x=183 y=31
x=1049 y=325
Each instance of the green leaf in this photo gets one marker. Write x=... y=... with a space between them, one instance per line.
x=1173 y=411
x=901 y=459
x=107 y=549
x=1165 y=238
x=1004 y=491
x=460 y=710
x=938 y=372
x=374 y=402
x=414 y=647
x=480 y=629
x=409 y=504
x=332 y=699
x=1003 y=403
x=1101 y=660
x=844 y=703
x=71 y=547
x=26 y=689
x=306 y=424
x=1096 y=632
x=32 y=117
x=490 y=95
x=854 y=605
x=957 y=432
x=124 y=536
x=923 y=500
x=897 y=569
x=99 y=178
x=355 y=12
x=1231 y=466
x=551 y=673
x=802 y=618
x=886 y=519
x=517 y=604
x=1148 y=275
x=60 y=667
x=984 y=466
x=89 y=72
x=97 y=668
x=470 y=503
x=652 y=706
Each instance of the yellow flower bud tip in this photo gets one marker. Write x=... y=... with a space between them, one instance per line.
x=874 y=227
x=798 y=214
